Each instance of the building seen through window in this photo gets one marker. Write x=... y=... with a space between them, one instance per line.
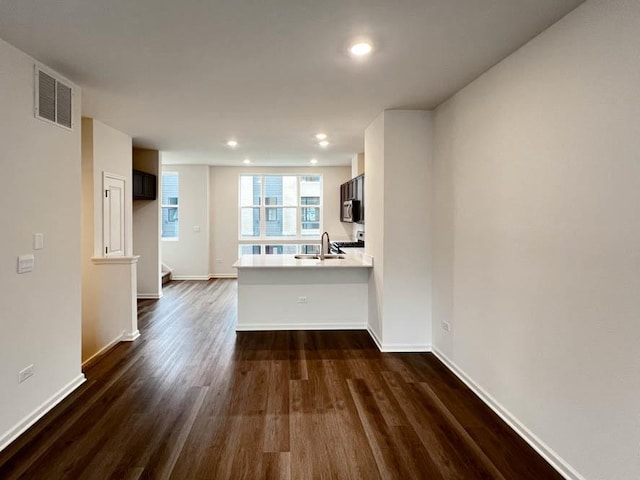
x=279 y=207
x=169 y=205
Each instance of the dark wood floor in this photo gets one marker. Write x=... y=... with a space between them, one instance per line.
x=192 y=399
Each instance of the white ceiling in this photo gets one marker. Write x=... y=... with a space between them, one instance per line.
x=183 y=76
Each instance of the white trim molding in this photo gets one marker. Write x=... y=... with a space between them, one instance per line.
x=405 y=348
x=130 y=337
x=190 y=277
x=149 y=296
x=398 y=347
x=96 y=356
x=39 y=412
x=213 y=276
x=115 y=260
x=373 y=335
x=557 y=462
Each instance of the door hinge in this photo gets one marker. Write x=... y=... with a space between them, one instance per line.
x=106 y=193
x=106 y=250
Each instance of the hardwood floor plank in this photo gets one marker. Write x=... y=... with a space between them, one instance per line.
x=393 y=447
x=193 y=399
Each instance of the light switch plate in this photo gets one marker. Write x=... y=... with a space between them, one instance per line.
x=25 y=263
x=38 y=241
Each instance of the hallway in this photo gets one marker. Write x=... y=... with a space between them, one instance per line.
x=192 y=399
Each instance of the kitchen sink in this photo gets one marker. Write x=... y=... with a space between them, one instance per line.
x=317 y=257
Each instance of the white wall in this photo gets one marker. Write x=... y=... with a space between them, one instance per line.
x=108 y=285
x=112 y=153
x=189 y=255
x=374 y=193
x=224 y=208
x=146 y=229
x=398 y=188
x=537 y=223
x=39 y=311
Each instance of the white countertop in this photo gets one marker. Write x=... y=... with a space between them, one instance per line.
x=351 y=260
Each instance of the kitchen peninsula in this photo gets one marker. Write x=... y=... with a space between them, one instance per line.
x=281 y=292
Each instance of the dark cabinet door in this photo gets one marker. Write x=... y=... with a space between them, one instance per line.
x=144 y=185
x=149 y=186
x=353 y=190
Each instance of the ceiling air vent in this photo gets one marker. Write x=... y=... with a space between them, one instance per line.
x=54 y=98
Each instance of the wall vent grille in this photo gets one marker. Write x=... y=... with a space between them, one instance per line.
x=54 y=99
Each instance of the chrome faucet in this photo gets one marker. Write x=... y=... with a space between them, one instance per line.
x=322 y=251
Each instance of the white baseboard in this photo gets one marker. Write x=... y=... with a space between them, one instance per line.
x=398 y=347
x=223 y=275
x=149 y=296
x=405 y=348
x=566 y=470
x=102 y=351
x=254 y=327
x=190 y=277
x=130 y=337
x=39 y=412
x=373 y=335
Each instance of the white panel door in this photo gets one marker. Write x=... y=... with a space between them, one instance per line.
x=113 y=215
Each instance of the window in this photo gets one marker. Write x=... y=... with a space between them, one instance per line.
x=169 y=205
x=291 y=206
x=282 y=249
x=284 y=208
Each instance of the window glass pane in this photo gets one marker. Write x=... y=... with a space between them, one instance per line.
x=273 y=249
x=310 y=249
x=290 y=190
x=249 y=250
x=284 y=222
x=169 y=222
x=290 y=249
x=310 y=220
x=309 y=200
x=311 y=186
x=170 y=196
x=170 y=188
x=273 y=190
x=280 y=249
x=250 y=222
x=250 y=190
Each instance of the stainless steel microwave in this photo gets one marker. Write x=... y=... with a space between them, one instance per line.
x=350 y=211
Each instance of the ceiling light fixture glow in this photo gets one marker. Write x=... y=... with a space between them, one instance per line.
x=323 y=144
x=232 y=143
x=313 y=161
x=321 y=136
x=361 y=49
x=246 y=161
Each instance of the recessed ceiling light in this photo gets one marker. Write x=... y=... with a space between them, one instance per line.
x=361 y=49
x=323 y=144
x=232 y=143
x=313 y=160
x=321 y=136
x=246 y=161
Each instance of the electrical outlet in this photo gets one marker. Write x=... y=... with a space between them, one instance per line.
x=25 y=373
x=446 y=327
x=302 y=299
